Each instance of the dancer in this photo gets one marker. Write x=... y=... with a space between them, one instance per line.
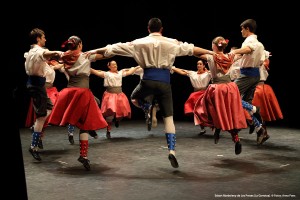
x=156 y=55
x=76 y=104
x=252 y=52
x=115 y=104
x=35 y=66
x=199 y=80
x=151 y=119
x=51 y=93
x=265 y=98
x=220 y=107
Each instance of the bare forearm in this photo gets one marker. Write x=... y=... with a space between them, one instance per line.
x=200 y=51
x=243 y=50
x=132 y=70
x=98 y=51
x=52 y=55
x=179 y=71
x=97 y=72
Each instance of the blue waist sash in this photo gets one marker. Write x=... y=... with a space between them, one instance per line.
x=157 y=74
x=36 y=80
x=250 y=71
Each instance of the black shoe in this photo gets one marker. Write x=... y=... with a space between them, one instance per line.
x=173 y=161
x=257 y=114
x=108 y=136
x=217 y=135
x=202 y=132
x=117 y=124
x=35 y=154
x=238 y=148
x=260 y=135
x=71 y=139
x=85 y=162
x=93 y=134
x=40 y=144
x=251 y=128
x=266 y=137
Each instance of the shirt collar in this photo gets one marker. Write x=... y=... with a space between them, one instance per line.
x=155 y=34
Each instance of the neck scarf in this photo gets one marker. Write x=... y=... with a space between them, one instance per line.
x=223 y=62
x=70 y=57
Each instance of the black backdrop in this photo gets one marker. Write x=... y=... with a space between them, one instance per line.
x=120 y=22
x=100 y=23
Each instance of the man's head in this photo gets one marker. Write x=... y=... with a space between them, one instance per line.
x=249 y=24
x=155 y=25
x=37 y=36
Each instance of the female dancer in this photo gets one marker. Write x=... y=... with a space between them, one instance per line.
x=199 y=80
x=115 y=104
x=221 y=107
x=76 y=104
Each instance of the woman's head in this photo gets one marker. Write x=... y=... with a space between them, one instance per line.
x=219 y=43
x=201 y=65
x=112 y=66
x=73 y=43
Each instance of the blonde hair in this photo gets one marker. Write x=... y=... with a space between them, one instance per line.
x=220 y=42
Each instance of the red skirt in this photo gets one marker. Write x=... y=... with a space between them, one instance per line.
x=77 y=106
x=221 y=107
x=189 y=105
x=115 y=104
x=265 y=98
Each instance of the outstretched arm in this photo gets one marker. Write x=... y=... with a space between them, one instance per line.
x=243 y=50
x=99 y=73
x=200 y=51
x=99 y=53
x=52 y=54
x=131 y=70
x=203 y=56
x=100 y=56
x=179 y=71
x=99 y=50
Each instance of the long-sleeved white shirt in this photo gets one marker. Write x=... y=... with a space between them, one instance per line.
x=253 y=59
x=153 y=50
x=35 y=62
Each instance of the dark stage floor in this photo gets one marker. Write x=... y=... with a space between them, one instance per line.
x=134 y=165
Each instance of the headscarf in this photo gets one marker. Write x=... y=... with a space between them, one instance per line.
x=71 y=56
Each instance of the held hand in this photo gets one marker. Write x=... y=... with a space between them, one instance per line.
x=52 y=62
x=56 y=56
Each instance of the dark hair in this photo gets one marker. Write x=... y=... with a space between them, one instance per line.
x=249 y=23
x=34 y=34
x=203 y=61
x=109 y=62
x=154 y=25
x=72 y=43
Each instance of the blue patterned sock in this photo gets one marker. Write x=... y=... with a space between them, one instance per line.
x=35 y=139
x=71 y=129
x=171 y=141
x=247 y=105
